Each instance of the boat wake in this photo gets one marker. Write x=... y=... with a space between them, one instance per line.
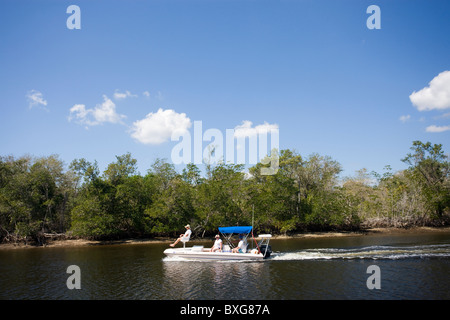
x=371 y=252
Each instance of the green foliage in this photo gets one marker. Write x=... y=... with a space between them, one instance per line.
x=430 y=168
x=38 y=196
x=333 y=210
x=33 y=197
x=90 y=220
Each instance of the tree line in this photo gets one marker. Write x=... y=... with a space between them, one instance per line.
x=39 y=197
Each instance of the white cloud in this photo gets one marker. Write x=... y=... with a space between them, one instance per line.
x=126 y=94
x=104 y=112
x=35 y=98
x=79 y=111
x=246 y=129
x=146 y=93
x=434 y=128
x=405 y=118
x=434 y=97
x=158 y=127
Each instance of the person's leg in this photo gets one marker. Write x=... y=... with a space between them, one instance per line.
x=173 y=244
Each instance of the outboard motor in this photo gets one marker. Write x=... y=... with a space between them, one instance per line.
x=266 y=250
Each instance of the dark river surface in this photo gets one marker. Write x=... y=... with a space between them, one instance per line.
x=410 y=266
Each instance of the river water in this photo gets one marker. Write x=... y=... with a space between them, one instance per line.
x=410 y=266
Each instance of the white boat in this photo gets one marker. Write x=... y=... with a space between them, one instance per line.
x=261 y=250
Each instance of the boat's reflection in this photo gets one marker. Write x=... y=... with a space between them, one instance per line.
x=184 y=279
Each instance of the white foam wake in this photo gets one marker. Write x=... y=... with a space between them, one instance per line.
x=371 y=252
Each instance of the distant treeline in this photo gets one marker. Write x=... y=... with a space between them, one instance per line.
x=40 y=198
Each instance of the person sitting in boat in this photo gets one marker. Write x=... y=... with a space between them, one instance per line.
x=217 y=244
x=241 y=247
x=185 y=236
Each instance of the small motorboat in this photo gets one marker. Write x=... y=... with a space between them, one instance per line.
x=259 y=251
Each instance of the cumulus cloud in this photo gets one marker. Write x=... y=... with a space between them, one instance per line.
x=434 y=97
x=126 y=94
x=434 y=128
x=246 y=129
x=35 y=98
x=78 y=111
x=158 y=127
x=104 y=112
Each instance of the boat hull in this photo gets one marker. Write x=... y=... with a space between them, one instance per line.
x=189 y=253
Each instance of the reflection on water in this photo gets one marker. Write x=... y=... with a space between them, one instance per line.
x=213 y=279
x=412 y=267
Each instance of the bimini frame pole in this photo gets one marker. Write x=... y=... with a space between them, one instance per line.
x=227 y=237
x=267 y=247
x=259 y=250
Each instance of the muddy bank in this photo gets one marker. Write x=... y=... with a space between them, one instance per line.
x=85 y=242
x=81 y=242
x=367 y=231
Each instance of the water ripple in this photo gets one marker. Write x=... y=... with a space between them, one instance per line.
x=370 y=252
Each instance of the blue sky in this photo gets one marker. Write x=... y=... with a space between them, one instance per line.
x=312 y=68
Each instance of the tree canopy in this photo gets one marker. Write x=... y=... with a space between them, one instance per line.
x=38 y=196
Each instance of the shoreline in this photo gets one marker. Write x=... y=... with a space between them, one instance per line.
x=73 y=243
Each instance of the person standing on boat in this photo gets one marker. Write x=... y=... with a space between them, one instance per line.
x=185 y=236
x=217 y=244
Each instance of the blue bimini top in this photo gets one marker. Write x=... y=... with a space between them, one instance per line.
x=237 y=229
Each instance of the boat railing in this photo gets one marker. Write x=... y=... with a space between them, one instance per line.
x=265 y=239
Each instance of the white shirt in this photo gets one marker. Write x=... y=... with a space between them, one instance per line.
x=217 y=243
x=242 y=245
x=187 y=234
